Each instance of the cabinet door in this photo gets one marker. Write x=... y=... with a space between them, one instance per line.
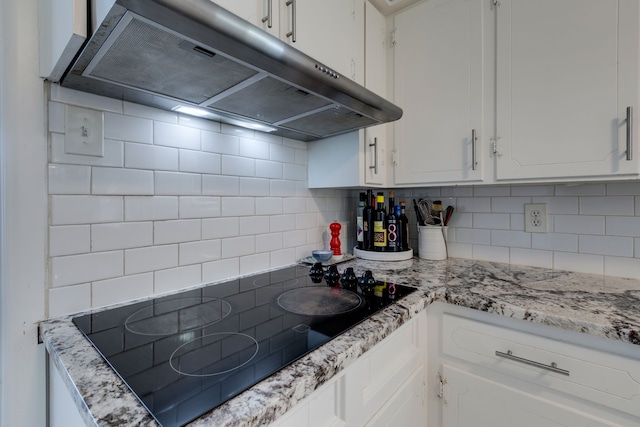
x=331 y=31
x=438 y=83
x=471 y=401
x=261 y=13
x=566 y=72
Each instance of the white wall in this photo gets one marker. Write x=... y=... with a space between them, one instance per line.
x=23 y=217
x=174 y=202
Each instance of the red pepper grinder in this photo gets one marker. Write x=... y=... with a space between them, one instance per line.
x=335 y=238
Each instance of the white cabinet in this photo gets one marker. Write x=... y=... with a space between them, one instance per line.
x=331 y=31
x=566 y=72
x=263 y=14
x=358 y=158
x=384 y=387
x=438 y=69
x=485 y=369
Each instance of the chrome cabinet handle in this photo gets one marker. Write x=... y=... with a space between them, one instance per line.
x=474 y=139
x=553 y=367
x=375 y=156
x=292 y=33
x=629 y=132
x=269 y=18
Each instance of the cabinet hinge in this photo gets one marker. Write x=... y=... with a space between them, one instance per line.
x=442 y=392
x=393 y=37
x=495 y=4
x=494 y=147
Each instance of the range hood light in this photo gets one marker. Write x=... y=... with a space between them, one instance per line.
x=194 y=111
x=201 y=112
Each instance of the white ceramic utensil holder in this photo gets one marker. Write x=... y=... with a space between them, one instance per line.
x=431 y=242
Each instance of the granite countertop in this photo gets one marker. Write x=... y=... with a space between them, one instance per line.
x=602 y=306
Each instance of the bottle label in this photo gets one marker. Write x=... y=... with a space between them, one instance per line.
x=379 y=234
x=392 y=234
x=360 y=229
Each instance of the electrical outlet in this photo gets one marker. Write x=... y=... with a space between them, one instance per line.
x=535 y=217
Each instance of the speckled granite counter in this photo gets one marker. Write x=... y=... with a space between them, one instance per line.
x=607 y=307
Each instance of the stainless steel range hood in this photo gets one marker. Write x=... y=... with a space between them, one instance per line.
x=194 y=53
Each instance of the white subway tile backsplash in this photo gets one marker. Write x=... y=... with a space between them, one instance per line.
x=610 y=205
x=306 y=221
x=254 y=187
x=458 y=250
x=516 y=239
x=107 y=292
x=282 y=188
x=152 y=113
x=268 y=169
x=606 y=245
x=281 y=222
x=458 y=219
x=623 y=226
x=69 y=240
x=468 y=204
x=283 y=257
x=254 y=263
x=113 y=154
x=294 y=205
x=455 y=191
x=57 y=113
x=121 y=235
x=269 y=206
x=172 y=135
x=84 y=99
x=69 y=179
x=76 y=269
x=174 y=279
x=128 y=128
x=622 y=267
x=199 y=252
x=121 y=181
x=579 y=224
x=150 y=208
x=301 y=157
x=492 y=221
x=238 y=246
x=176 y=231
x=141 y=156
x=198 y=123
x=238 y=206
x=291 y=239
x=491 y=253
x=294 y=143
x=476 y=237
x=238 y=166
x=217 y=228
x=237 y=131
x=142 y=260
x=282 y=154
x=294 y=172
x=254 y=149
x=252 y=225
x=69 y=299
x=517 y=222
x=583 y=263
x=623 y=188
x=199 y=207
x=70 y=210
x=268 y=242
x=580 y=189
x=177 y=183
x=495 y=190
x=532 y=257
x=199 y=162
x=555 y=242
x=533 y=190
x=220 y=143
x=219 y=270
x=509 y=204
x=220 y=185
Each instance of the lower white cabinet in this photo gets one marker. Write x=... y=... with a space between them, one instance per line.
x=488 y=370
x=384 y=387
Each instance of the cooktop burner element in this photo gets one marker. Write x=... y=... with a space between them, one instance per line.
x=180 y=315
x=185 y=354
x=319 y=301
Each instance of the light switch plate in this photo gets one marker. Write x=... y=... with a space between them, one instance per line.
x=84 y=131
x=535 y=218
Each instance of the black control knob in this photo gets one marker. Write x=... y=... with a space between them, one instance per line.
x=349 y=279
x=331 y=276
x=316 y=273
x=367 y=282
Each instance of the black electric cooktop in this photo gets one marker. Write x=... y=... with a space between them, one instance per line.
x=185 y=354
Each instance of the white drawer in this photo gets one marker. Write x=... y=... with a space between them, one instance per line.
x=594 y=375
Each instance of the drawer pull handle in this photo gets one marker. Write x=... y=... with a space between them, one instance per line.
x=553 y=367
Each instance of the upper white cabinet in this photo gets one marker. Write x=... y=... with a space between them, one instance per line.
x=263 y=14
x=358 y=158
x=566 y=72
x=331 y=31
x=438 y=69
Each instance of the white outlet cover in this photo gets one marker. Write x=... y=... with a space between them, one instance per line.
x=535 y=218
x=84 y=131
